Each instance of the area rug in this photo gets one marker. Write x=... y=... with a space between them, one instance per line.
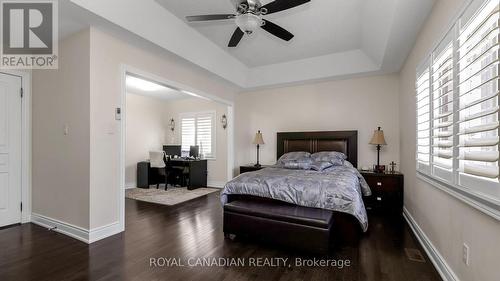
x=169 y=197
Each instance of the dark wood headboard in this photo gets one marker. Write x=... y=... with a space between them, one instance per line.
x=342 y=141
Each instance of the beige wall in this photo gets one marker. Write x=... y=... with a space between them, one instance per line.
x=60 y=165
x=217 y=168
x=445 y=220
x=355 y=104
x=146 y=129
x=107 y=56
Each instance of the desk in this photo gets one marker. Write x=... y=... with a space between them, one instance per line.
x=195 y=172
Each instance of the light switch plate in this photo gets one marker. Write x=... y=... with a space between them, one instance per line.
x=465 y=253
x=118 y=113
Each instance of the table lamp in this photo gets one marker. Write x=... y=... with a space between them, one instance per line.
x=258 y=140
x=378 y=140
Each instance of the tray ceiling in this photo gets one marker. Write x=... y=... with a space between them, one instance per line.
x=333 y=38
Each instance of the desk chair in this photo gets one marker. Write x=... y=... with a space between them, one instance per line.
x=157 y=162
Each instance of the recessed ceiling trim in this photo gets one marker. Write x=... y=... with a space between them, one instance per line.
x=152 y=22
x=382 y=50
x=339 y=64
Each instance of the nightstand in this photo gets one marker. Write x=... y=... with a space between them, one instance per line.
x=387 y=192
x=251 y=168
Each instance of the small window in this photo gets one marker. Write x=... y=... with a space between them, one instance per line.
x=198 y=129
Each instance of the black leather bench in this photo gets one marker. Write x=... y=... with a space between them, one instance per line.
x=292 y=226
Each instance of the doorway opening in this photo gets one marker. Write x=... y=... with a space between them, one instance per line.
x=176 y=142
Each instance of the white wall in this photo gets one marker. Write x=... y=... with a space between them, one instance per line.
x=355 y=104
x=108 y=54
x=60 y=164
x=446 y=221
x=146 y=130
x=217 y=168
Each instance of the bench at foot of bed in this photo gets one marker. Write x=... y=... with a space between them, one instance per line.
x=291 y=226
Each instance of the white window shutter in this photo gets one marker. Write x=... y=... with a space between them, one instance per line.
x=423 y=118
x=198 y=129
x=204 y=131
x=478 y=67
x=188 y=132
x=442 y=111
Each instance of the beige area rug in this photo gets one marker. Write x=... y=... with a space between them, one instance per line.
x=172 y=196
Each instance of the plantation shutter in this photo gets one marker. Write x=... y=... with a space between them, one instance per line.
x=188 y=132
x=442 y=116
x=478 y=88
x=423 y=118
x=198 y=129
x=204 y=131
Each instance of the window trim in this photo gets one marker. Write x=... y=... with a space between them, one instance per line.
x=214 y=129
x=486 y=203
x=479 y=201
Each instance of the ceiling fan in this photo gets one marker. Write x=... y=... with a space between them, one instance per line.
x=248 y=18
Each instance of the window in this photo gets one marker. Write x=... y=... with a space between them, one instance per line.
x=442 y=110
x=478 y=97
x=198 y=129
x=423 y=119
x=457 y=96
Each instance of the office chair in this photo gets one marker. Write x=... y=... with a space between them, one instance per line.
x=157 y=161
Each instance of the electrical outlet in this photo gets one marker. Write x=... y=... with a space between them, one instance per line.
x=465 y=254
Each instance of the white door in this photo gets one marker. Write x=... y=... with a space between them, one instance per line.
x=10 y=149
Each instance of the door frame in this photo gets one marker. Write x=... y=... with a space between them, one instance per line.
x=124 y=69
x=25 y=141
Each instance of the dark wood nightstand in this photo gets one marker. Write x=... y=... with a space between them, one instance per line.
x=251 y=168
x=387 y=192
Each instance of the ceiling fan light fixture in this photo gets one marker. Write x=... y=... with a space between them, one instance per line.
x=248 y=22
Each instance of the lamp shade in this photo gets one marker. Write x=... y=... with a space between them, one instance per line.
x=258 y=138
x=378 y=137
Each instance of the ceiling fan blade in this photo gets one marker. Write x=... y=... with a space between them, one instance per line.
x=210 y=17
x=235 y=39
x=277 y=30
x=281 y=5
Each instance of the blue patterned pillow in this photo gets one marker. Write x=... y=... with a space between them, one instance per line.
x=348 y=164
x=301 y=164
x=297 y=156
x=321 y=165
x=329 y=156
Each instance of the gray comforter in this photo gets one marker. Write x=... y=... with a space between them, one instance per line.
x=338 y=188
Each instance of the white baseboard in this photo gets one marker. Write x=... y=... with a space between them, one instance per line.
x=77 y=232
x=437 y=260
x=70 y=230
x=216 y=184
x=130 y=185
x=102 y=232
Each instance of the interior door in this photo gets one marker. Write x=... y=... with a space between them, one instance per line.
x=10 y=149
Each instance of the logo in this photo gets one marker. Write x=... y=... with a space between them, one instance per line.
x=29 y=35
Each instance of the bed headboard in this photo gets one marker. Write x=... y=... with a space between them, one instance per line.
x=342 y=141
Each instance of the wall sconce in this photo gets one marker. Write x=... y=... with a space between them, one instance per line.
x=223 y=120
x=172 y=124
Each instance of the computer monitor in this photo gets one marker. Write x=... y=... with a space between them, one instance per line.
x=172 y=150
x=194 y=151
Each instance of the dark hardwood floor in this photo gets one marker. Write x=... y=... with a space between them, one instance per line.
x=194 y=229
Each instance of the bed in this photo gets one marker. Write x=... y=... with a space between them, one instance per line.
x=303 y=208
